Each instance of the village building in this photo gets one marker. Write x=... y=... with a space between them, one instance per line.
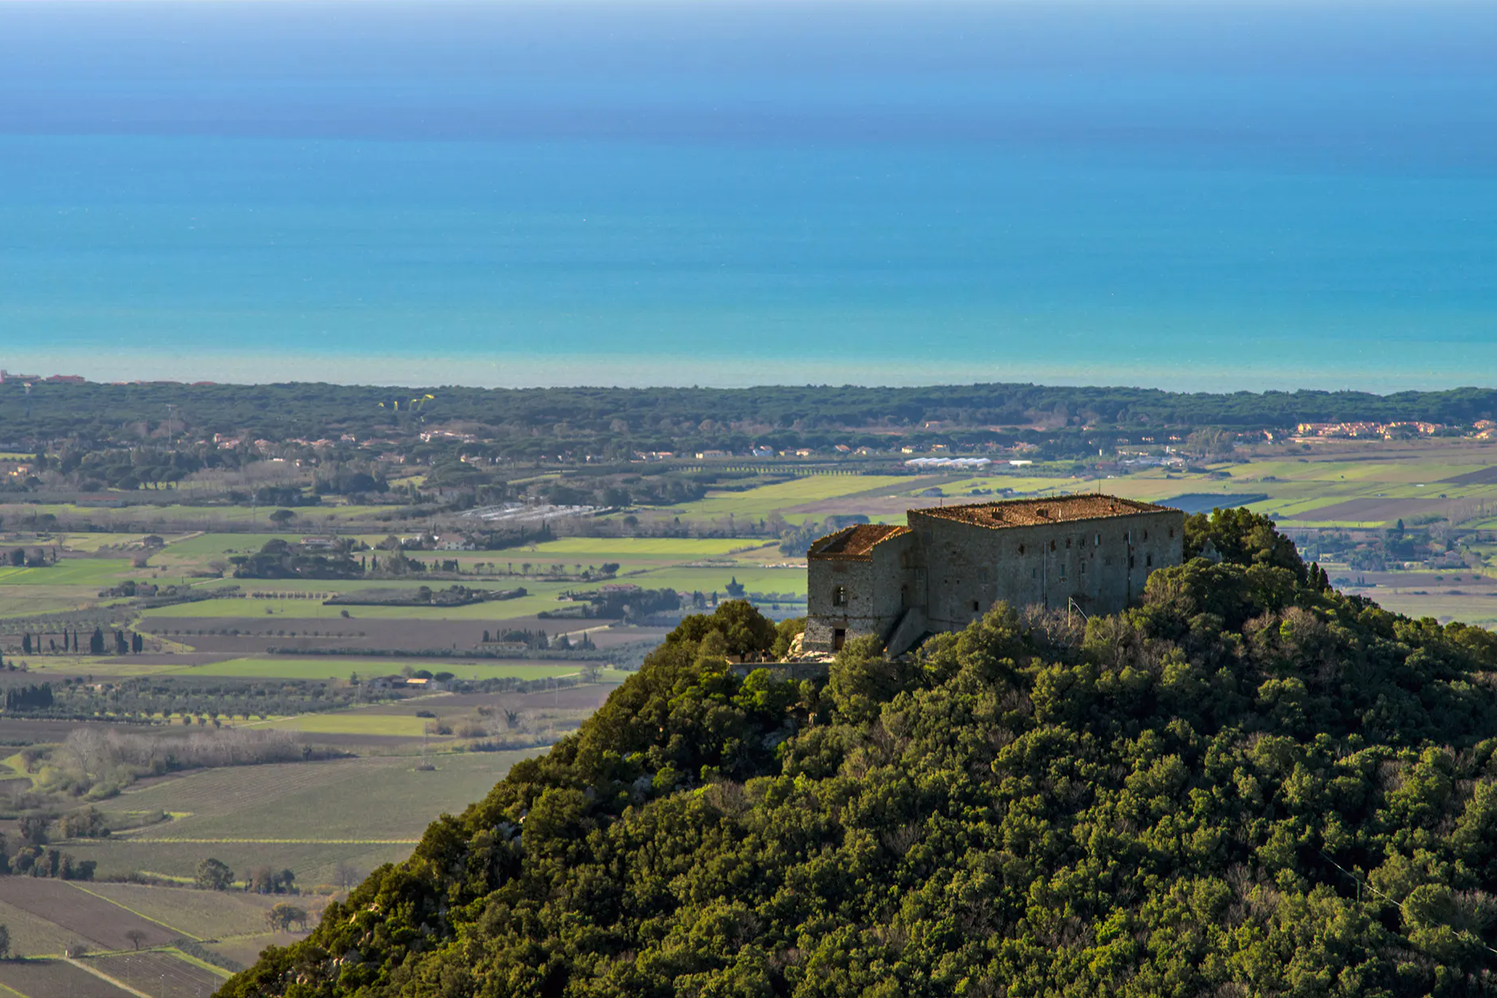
x=950 y=564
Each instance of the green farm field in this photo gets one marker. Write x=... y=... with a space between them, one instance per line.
x=33 y=935
x=311 y=609
x=211 y=545
x=92 y=542
x=344 y=722
x=1478 y=609
x=313 y=861
x=101 y=668
x=125 y=519
x=93 y=572
x=245 y=950
x=957 y=490
x=1408 y=481
x=28 y=601
x=338 y=667
x=369 y=799
x=706 y=580
x=54 y=979
x=193 y=913
x=669 y=548
x=306 y=816
x=315 y=586
x=632 y=550
x=785 y=496
x=161 y=973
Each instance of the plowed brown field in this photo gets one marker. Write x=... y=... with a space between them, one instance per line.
x=55 y=979
x=92 y=919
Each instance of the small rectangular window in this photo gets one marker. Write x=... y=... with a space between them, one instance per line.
x=975 y=608
x=1149 y=561
x=1062 y=571
x=1034 y=573
x=1083 y=568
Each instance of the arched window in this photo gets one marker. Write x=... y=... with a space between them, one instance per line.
x=839 y=596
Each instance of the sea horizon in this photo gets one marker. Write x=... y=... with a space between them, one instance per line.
x=1240 y=198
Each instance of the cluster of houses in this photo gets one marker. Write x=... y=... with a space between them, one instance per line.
x=1360 y=430
x=36 y=379
x=77 y=379
x=229 y=441
x=407 y=683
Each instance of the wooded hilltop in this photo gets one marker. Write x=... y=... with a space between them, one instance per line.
x=1249 y=785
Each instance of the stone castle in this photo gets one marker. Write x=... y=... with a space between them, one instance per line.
x=952 y=563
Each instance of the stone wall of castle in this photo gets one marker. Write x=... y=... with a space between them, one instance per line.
x=953 y=572
x=1101 y=563
x=875 y=593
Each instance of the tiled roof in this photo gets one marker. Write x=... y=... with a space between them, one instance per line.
x=855 y=543
x=1035 y=512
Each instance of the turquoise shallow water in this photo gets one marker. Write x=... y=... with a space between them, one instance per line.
x=512 y=194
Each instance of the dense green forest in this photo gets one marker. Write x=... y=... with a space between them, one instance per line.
x=279 y=411
x=1250 y=784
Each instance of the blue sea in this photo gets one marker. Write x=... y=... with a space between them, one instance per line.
x=1204 y=195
